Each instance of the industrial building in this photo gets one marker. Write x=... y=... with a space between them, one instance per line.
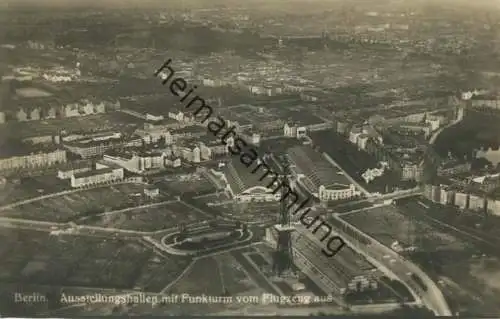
x=317 y=175
x=245 y=186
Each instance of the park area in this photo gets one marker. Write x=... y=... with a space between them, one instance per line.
x=193 y=184
x=83 y=261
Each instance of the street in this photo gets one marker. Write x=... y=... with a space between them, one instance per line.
x=403 y=269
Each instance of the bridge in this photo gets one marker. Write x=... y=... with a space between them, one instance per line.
x=404 y=269
x=385 y=197
x=397 y=194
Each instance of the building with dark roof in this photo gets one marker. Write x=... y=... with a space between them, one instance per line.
x=245 y=186
x=318 y=176
x=348 y=271
x=97 y=144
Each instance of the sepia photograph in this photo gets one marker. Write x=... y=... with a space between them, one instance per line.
x=260 y=158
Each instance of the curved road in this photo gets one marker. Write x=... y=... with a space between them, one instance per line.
x=433 y=297
x=440 y=130
x=402 y=268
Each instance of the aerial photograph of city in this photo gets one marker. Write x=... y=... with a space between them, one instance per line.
x=233 y=158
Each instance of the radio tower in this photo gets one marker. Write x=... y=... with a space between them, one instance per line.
x=283 y=256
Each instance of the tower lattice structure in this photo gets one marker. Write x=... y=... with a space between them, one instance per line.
x=283 y=256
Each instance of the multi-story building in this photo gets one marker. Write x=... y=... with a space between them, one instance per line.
x=188 y=132
x=67 y=173
x=457 y=196
x=354 y=133
x=211 y=147
x=360 y=135
x=51 y=113
x=97 y=176
x=461 y=200
x=411 y=171
x=181 y=116
x=442 y=194
x=477 y=202
x=447 y=196
x=83 y=108
x=407 y=162
x=294 y=130
x=308 y=97
x=189 y=153
x=430 y=192
x=372 y=173
x=493 y=206
x=141 y=162
x=481 y=101
x=50 y=109
x=453 y=167
x=98 y=144
x=343 y=126
x=362 y=140
x=152 y=134
x=31 y=158
x=414 y=128
x=22 y=116
x=435 y=121
x=35 y=114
